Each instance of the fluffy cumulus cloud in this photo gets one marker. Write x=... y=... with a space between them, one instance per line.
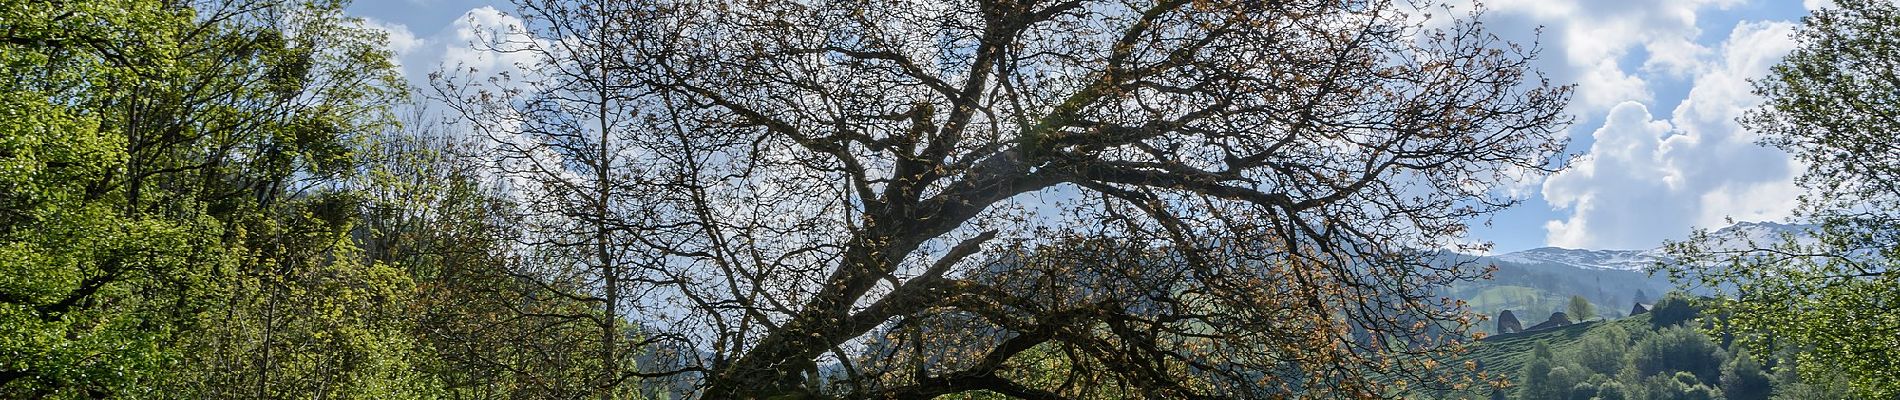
x=1612 y=50
x=488 y=42
x=478 y=45
x=1646 y=178
x=1649 y=173
x=402 y=42
x=1589 y=40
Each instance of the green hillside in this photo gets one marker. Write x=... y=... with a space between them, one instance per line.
x=1533 y=291
x=1531 y=304
x=1656 y=356
x=1509 y=353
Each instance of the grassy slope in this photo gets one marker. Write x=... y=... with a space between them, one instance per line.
x=1508 y=353
x=1532 y=305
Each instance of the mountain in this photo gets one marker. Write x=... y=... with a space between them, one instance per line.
x=1736 y=236
x=1622 y=260
x=1533 y=283
x=1752 y=234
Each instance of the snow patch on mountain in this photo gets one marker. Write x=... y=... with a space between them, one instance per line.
x=1739 y=236
x=1746 y=235
x=1628 y=260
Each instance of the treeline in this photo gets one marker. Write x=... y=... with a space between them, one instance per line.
x=1662 y=355
x=216 y=200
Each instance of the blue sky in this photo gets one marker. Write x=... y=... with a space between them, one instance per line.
x=1659 y=84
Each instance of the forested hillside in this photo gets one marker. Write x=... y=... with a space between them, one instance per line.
x=1656 y=355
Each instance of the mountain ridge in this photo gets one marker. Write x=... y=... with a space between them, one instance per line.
x=1737 y=235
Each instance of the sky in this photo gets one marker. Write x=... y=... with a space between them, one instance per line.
x=1659 y=84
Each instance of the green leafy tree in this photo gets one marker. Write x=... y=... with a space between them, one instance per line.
x=1680 y=349
x=1743 y=379
x=1602 y=350
x=1580 y=309
x=55 y=335
x=1582 y=391
x=1810 y=386
x=1535 y=380
x=84 y=299
x=1678 y=386
x=1832 y=103
x=1612 y=390
x=1674 y=309
x=170 y=222
x=494 y=328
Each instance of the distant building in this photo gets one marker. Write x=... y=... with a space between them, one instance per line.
x=1557 y=320
x=1639 y=309
x=1507 y=323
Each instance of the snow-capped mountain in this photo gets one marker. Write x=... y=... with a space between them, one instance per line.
x=1740 y=235
x=1762 y=234
x=1628 y=260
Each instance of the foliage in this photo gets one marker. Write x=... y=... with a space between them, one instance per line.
x=1580 y=309
x=1831 y=103
x=493 y=327
x=57 y=337
x=1244 y=207
x=181 y=215
x=1535 y=377
x=1611 y=390
x=213 y=199
x=1607 y=360
x=1679 y=349
x=1603 y=349
x=1678 y=386
x=1675 y=308
x=1743 y=379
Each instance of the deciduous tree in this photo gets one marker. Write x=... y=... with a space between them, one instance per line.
x=1229 y=198
x=1832 y=103
x=569 y=138
x=1580 y=309
x=170 y=220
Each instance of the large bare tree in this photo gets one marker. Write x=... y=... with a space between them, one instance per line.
x=1047 y=199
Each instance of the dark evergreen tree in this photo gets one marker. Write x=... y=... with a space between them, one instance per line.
x=1674 y=308
x=1743 y=379
x=1680 y=349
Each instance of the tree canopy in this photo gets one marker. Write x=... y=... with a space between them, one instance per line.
x=830 y=198
x=1830 y=103
x=885 y=199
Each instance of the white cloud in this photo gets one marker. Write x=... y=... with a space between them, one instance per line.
x=401 y=41
x=1649 y=179
x=1605 y=84
x=479 y=45
x=487 y=43
x=1591 y=39
x=1619 y=189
